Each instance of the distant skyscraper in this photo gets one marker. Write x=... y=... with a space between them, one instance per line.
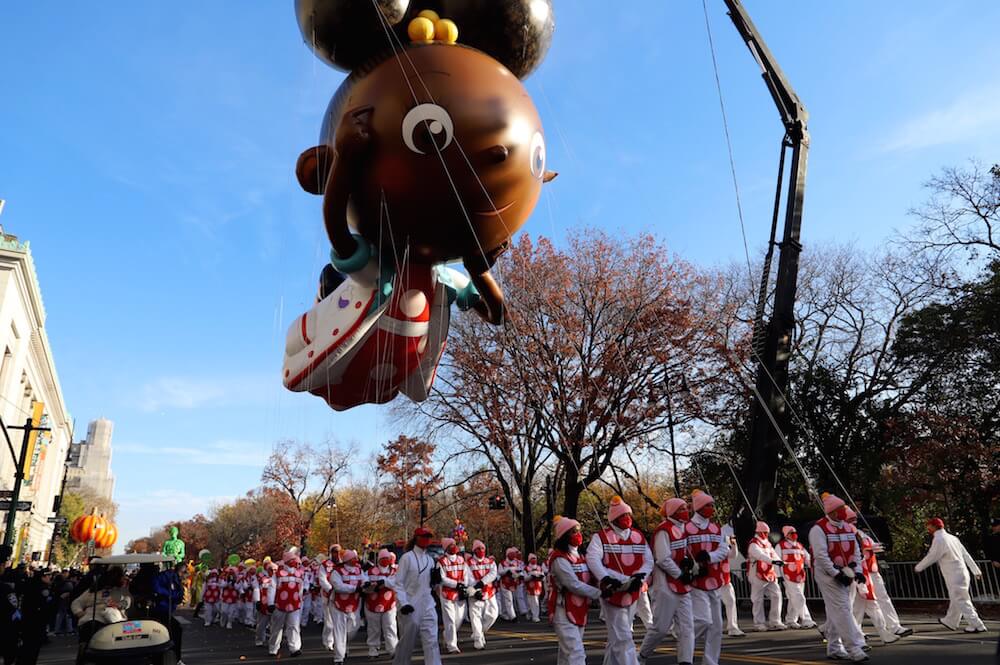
x=89 y=466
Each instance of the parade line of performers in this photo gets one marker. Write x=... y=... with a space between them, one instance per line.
x=677 y=584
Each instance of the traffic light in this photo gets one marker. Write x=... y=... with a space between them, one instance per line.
x=497 y=502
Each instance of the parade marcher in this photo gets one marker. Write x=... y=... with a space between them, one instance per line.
x=797 y=560
x=865 y=601
x=262 y=585
x=346 y=582
x=727 y=592
x=211 y=597
x=620 y=558
x=762 y=561
x=955 y=563
x=380 y=605
x=309 y=582
x=230 y=597
x=414 y=583
x=671 y=583
x=455 y=580
x=248 y=606
x=570 y=591
x=711 y=552
x=318 y=600
x=325 y=617
x=837 y=568
x=284 y=601
x=520 y=595
x=483 y=608
x=534 y=574
x=169 y=593
x=511 y=572
x=882 y=593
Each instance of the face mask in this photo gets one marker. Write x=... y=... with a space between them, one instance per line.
x=840 y=514
x=707 y=512
x=453 y=550
x=624 y=522
x=682 y=515
x=423 y=542
x=480 y=553
x=793 y=536
x=576 y=539
x=384 y=563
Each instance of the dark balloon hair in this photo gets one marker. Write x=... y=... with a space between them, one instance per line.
x=347 y=34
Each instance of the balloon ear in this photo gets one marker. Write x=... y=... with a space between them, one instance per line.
x=313 y=168
x=346 y=33
x=517 y=33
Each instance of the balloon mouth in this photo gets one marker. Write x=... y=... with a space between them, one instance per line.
x=495 y=211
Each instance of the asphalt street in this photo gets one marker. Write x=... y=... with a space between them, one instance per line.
x=523 y=643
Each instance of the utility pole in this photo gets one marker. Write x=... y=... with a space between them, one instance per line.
x=775 y=336
x=62 y=492
x=19 y=463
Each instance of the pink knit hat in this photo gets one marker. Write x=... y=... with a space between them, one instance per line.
x=618 y=508
x=762 y=527
x=476 y=544
x=671 y=506
x=532 y=557
x=447 y=542
x=563 y=525
x=384 y=554
x=291 y=555
x=785 y=530
x=700 y=499
x=511 y=550
x=831 y=502
x=348 y=555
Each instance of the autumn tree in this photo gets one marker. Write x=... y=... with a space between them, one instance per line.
x=407 y=473
x=585 y=365
x=308 y=476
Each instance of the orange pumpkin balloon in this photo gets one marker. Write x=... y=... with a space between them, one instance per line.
x=88 y=527
x=108 y=537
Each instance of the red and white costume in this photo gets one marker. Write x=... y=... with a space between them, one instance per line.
x=704 y=535
x=345 y=584
x=796 y=559
x=212 y=597
x=261 y=586
x=534 y=576
x=834 y=547
x=763 y=576
x=571 y=590
x=727 y=593
x=511 y=571
x=483 y=612
x=230 y=597
x=380 y=605
x=673 y=599
x=619 y=553
x=865 y=600
x=286 y=597
x=309 y=582
x=455 y=575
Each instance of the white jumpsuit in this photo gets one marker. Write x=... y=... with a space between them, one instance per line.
x=842 y=633
x=620 y=649
x=261 y=589
x=955 y=562
x=345 y=624
x=797 y=613
x=453 y=611
x=483 y=613
x=706 y=605
x=412 y=584
x=510 y=569
x=672 y=608
x=285 y=623
x=727 y=592
x=760 y=550
x=381 y=625
x=570 y=635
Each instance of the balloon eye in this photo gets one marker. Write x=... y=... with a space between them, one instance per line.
x=427 y=127
x=537 y=154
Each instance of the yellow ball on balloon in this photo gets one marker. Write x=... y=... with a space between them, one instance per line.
x=429 y=14
x=421 y=29
x=446 y=31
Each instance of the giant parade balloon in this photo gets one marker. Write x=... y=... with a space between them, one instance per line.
x=431 y=152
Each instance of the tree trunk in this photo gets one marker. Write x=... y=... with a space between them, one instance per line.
x=571 y=491
x=527 y=524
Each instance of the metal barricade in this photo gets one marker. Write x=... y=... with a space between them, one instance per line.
x=903 y=583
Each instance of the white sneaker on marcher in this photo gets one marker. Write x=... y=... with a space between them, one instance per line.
x=736 y=632
x=760 y=627
x=858 y=656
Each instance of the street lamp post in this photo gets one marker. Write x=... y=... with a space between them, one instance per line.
x=336 y=517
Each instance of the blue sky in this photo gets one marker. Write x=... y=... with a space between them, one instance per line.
x=147 y=152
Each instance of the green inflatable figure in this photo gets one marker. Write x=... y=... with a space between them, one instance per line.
x=174 y=546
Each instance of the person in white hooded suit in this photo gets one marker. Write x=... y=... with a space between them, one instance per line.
x=955 y=562
x=414 y=594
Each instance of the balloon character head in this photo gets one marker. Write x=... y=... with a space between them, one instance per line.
x=432 y=144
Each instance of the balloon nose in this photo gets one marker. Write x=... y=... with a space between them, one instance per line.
x=497 y=153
